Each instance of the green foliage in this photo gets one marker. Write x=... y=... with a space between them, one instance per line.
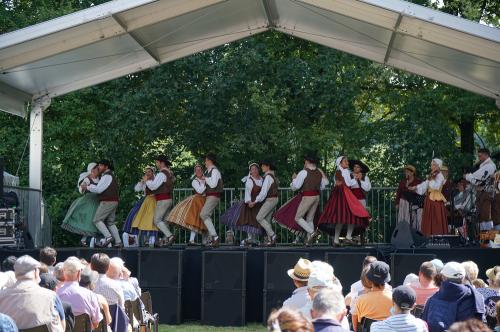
x=270 y=95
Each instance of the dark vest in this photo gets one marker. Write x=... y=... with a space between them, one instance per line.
x=273 y=190
x=220 y=185
x=166 y=187
x=312 y=182
x=111 y=192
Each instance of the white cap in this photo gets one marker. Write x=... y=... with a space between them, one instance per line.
x=410 y=279
x=453 y=270
x=438 y=264
x=339 y=160
x=321 y=275
x=90 y=167
x=25 y=264
x=438 y=162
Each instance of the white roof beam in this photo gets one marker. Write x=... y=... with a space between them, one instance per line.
x=14 y=101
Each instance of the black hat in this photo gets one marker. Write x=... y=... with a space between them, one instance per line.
x=404 y=297
x=212 y=157
x=268 y=163
x=164 y=159
x=48 y=281
x=379 y=272
x=105 y=162
x=364 y=168
x=312 y=158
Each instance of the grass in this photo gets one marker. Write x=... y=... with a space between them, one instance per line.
x=202 y=328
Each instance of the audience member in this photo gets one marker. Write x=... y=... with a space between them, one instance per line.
x=7 y=276
x=299 y=275
x=58 y=272
x=48 y=281
x=88 y=280
x=497 y=328
x=425 y=286
x=401 y=320
x=105 y=286
x=454 y=301
x=43 y=268
x=410 y=279
x=328 y=310
x=491 y=293
x=81 y=300
x=48 y=256
x=286 y=320
x=471 y=271
x=116 y=272
x=479 y=283
x=358 y=286
x=470 y=325
x=7 y=324
x=376 y=304
x=367 y=287
x=438 y=264
x=28 y=304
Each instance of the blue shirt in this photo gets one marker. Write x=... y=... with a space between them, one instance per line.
x=59 y=307
x=7 y=324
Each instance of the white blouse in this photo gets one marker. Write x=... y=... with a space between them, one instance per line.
x=249 y=187
x=435 y=184
x=365 y=184
x=198 y=185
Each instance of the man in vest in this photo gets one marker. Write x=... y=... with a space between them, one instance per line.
x=107 y=193
x=162 y=186
x=215 y=187
x=28 y=304
x=269 y=195
x=309 y=181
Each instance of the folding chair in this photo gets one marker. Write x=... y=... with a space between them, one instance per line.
x=82 y=323
x=41 y=328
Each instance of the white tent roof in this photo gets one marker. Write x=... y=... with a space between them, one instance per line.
x=125 y=36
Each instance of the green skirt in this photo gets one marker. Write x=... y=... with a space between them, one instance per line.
x=80 y=216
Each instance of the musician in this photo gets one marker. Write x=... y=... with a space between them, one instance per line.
x=483 y=182
x=407 y=202
x=464 y=204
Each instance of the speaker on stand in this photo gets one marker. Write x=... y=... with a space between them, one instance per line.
x=405 y=236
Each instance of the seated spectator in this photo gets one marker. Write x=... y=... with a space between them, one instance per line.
x=48 y=281
x=108 y=288
x=425 y=286
x=7 y=324
x=28 y=304
x=286 y=320
x=58 y=272
x=367 y=287
x=7 y=276
x=44 y=268
x=88 y=279
x=470 y=325
x=328 y=310
x=410 y=279
x=299 y=275
x=81 y=300
x=471 y=271
x=403 y=299
x=491 y=293
x=116 y=271
x=454 y=301
x=479 y=283
x=48 y=256
x=358 y=286
x=497 y=328
x=438 y=264
x=376 y=304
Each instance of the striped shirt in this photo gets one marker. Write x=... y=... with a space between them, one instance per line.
x=400 y=323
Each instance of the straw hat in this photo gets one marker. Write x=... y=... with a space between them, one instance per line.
x=301 y=270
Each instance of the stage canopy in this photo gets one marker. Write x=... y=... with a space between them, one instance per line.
x=126 y=36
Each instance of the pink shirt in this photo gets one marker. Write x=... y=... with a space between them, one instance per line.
x=82 y=300
x=423 y=293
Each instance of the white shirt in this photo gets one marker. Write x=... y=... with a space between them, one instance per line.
x=266 y=185
x=214 y=179
x=87 y=182
x=129 y=292
x=140 y=186
x=110 y=289
x=486 y=169
x=435 y=184
x=7 y=279
x=299 y=180
x=299 y=299
x=198 y=185
x=249 y=187
x=159 y=179
x=365 y=184
x=346 y=174
x=102 y=185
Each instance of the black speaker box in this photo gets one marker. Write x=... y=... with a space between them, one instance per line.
x=223 y=307
x=131 y=258
x=64 y=253
x=347 y=266
x=405 y=236
x=160 y=268
x=167 y=302
x=403 y=264
x=88 y=252
x=273 y=300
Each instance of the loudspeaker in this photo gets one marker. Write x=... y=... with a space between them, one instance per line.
x=160 y=268
x=223 y=288
x=131 y=258
x=167 y=303
x=404 y=264
x=64 y=253
x=404 y=236
x=347 y=266
x=277 y=284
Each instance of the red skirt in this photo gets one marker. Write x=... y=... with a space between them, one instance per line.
x=285 y=215
x=434 y=220
x=343 y=208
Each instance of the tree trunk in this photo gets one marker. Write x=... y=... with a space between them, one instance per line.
x=467 y=139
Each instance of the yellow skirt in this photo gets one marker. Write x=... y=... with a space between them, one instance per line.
x=186 y=214
x=143 y=220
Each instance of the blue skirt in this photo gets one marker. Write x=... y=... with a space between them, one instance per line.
x=127 y=227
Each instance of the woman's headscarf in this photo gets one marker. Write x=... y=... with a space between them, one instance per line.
x=438 y=162
x=245 y=178
x=338 y=161
x=83 y=175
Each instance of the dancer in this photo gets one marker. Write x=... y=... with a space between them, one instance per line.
x=343 y=208
x=298 y=214
x=214 y=189
x=242 y=215
x=363 y=184
x=186 y=213
x=108 y=195
x=269 y=196
x=407 y=202
x=80 y=216
x=162 y=185
x=482 y=180
x=434 y=220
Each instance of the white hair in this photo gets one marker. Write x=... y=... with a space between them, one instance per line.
x=471 y=270
x=329 y=302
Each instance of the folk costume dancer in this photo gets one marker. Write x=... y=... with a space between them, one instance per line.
x=363 y=184
x=408 y=211
x=343 y=208
x=268 y=196
x=80 y=215
x=108 y=194
x=434 y=221
x=483 y=182
x=214 y=189
x=162 y=186
x=186 y=213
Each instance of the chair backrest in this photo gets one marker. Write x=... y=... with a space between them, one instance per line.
x=41 y=328
x=129 y=310
x=103 y=326
x=365 y=324
x=137 y=310
x=82 y=323
x=148 y=303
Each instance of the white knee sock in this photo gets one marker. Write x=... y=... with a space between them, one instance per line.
x=350 y=229
x=305 y=225
x=103 y=229
x=162 y=226
x=338 y=229
x=210 y=226
x=192 y=236
x=267 y=227
x=152 y=239
x=115 y=233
